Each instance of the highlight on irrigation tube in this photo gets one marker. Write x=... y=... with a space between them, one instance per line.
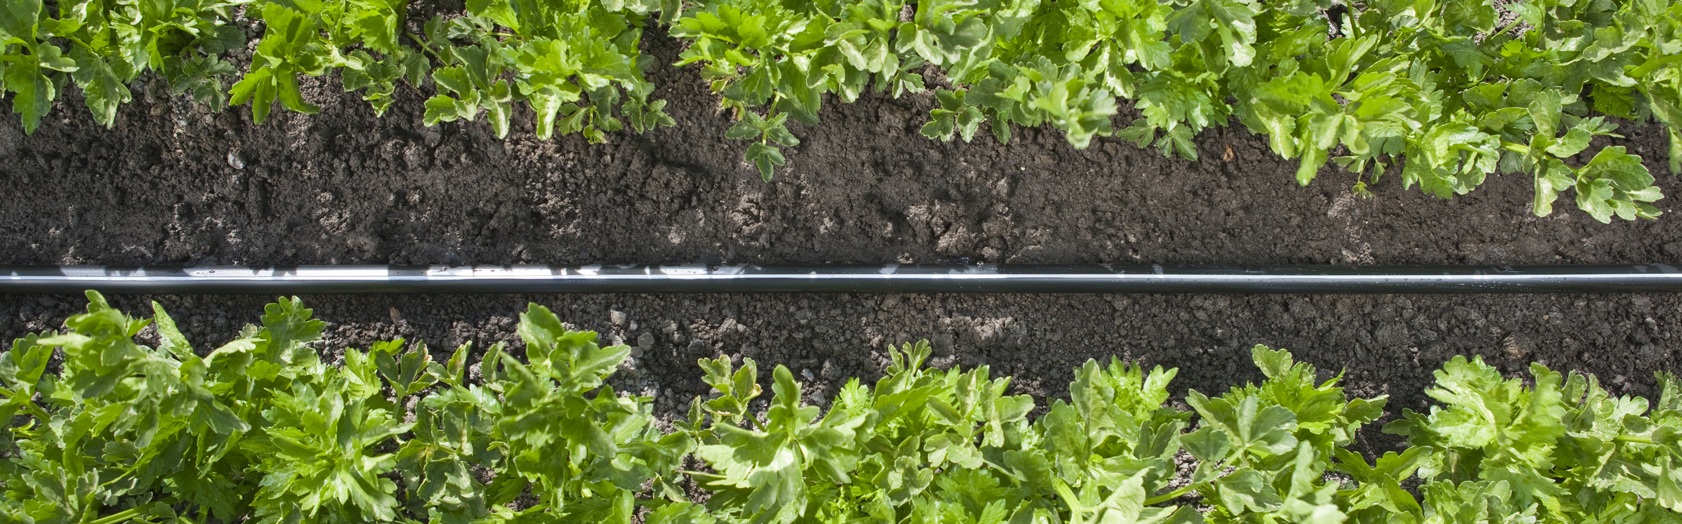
x=983 y=278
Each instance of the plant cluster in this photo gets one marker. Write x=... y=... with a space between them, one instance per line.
x=1462 y=90
x=262 y=430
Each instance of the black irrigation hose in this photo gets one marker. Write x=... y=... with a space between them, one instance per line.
x=893 y=278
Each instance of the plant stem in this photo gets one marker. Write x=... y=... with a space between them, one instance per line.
x=425 y=48
x=1653 y=65
x=1504 y=28
x=1002 y=470
x=117 y=517
x=38 y=412
x=28 y=405
x=1165 y=497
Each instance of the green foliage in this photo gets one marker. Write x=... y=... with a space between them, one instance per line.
x=102 y=46
x=1446 y=86
x=571 y=62
x=1558 y=449
x=576 y=62
x=1265 y=449
x=263 y=430
x=785 y=56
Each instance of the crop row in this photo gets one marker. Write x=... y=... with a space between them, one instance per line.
x=1463 y=90
x=262 y=430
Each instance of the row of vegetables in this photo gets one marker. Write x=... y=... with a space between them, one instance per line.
x=102 y=430
x=1461 y=90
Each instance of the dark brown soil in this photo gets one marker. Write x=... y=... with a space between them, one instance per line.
x=175 y=184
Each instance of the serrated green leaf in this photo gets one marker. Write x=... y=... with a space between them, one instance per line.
x=1244 y=491
x=32 y=93
x=765 y=157
x=169 y=335
x=18 y=19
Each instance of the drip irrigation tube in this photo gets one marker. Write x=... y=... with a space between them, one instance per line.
x=893 y=278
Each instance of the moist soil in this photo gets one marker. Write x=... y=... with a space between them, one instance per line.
x=173 y=183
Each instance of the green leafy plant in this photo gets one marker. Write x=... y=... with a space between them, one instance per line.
x=786 y=56
x=1275 y=442
x=1447 y=94
x=573 y=62
x=263 y=429
x=361 y=37
x=1558 y=449
x=103 y=46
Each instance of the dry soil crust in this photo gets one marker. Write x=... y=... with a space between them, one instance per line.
x=175 y=184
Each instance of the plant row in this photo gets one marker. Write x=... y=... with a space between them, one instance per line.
x=262 y=430
x=1462 y=90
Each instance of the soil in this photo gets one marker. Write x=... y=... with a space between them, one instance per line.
x=173 y=183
